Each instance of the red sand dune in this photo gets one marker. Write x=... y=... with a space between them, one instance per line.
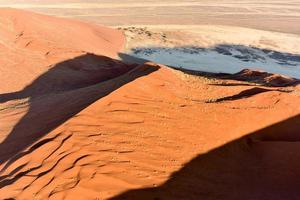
x=265 y=78
x=77 y=124
x=30 y=43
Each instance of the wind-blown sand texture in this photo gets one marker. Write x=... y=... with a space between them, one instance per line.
x=78 y=124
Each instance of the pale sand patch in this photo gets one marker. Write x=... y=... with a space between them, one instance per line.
x=210 y=48
x=211 y=35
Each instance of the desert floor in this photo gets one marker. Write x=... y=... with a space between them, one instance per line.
x=274 y=15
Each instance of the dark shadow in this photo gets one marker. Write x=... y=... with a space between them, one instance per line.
x=129 y=59
x=256 y=77
x=60 y=93
x=232 y=84
x=244 y=94
x=75 y=73
x=245 y=54
x=263 y=165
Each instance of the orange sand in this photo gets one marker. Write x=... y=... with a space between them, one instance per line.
x=77 y=124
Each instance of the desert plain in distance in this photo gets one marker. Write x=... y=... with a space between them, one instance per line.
x=273 y=15
x=270 y=25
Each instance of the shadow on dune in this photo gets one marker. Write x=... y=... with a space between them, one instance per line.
x=240 y=52
x=262 y=165
x=238 y=56
x=60 y=93
x=245 y=94
x=75 y=73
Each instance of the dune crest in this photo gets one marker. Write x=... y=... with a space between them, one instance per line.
x=265 y=78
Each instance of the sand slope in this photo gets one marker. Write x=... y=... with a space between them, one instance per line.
x=91 y=127
x=31 y=43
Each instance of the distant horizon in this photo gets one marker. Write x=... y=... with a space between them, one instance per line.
x=271 y=15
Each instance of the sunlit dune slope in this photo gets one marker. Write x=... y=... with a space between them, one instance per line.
x=30 y=44
x=78 y=124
